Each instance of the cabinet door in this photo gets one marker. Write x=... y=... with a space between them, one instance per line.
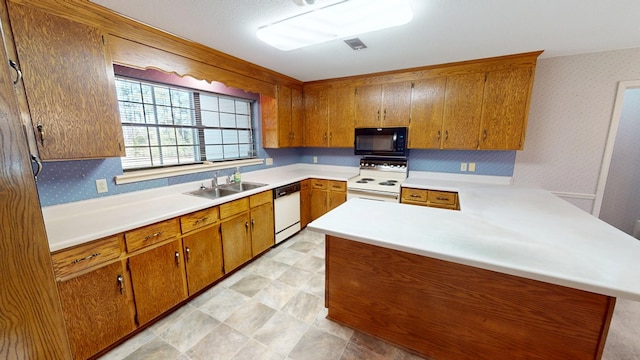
x=98 y=309
x=316 y=108
x=336 y=198
x=427 y=105
x=396 y=104
x=296 y=128
x=69 y=83
x=262 y=228
x=319 y=202
x=203 y=258
x=158 y=280
x=367 y=106
x=285 y=136
x=504 y=109
x=236 y=242
x=305 y=205
x=341 y=116
x=462 y=111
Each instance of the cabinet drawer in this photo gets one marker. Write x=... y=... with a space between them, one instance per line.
x=69 y=261
x=264 y=197
x=234 y=207
x=152 y=234
x=198 y=219
x=335 y=185
x=410 y=194
x=442 y=197
x=319 y=184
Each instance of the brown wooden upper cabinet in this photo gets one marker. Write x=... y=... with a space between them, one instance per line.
x=69 y=85
x=427 y=105
x=329 y=116
x=383 y=105
x=282 y=118
x=462 y=111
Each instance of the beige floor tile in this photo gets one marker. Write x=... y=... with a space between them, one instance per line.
x=130 y=346
x=168 y=321
x=310 y=263
x=276 y=294
x=251 y=316
x=288 y=256
x=250 y=284
x=316 y=344
x=155 y=349
x=332 y=327
x=269 y=268
x=222 y=343
x=304 y=306
x=189 y=330
x=254 y=350
x=207 y=295
x=295 y=277
x=224 y=304
x=302 y=246
x=315 y=285
x=281 y=333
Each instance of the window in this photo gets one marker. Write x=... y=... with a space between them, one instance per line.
x=166 y=125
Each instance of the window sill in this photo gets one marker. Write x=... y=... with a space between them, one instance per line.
x=151 y=174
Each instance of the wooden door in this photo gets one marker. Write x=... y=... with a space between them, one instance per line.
x=316 y=107
x=69 y=83
x=285 y=137
x=262 y=228
x=396 y=104
x=427 y=106
x=98 y=309
x=341 y=116
x=158 y=280
x=462 y=111
x=305 y=204
x=31 y=316
x=504 y=108
x=236 y=242
x=367 y=106
x=203 y=258
x=297 y=131
x=335 y=199
x=319 y=203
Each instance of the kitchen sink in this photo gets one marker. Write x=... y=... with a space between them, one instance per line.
x=225 y=190
x=243 y=186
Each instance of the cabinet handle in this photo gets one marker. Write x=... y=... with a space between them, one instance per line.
x=324 y=138
x=484 y=134
x=253 y=224
x=442 y=198
x=177 y=256
x=384 y=117
x=201 y=220
x=330 y=136
x=40 y=128
x=246 y=226
x=121 y=283
x=438 y=135
x=18 y=72
x=152 y=235
x=85 y=258
x=446 y=134
x=188 y=253
x=414 y=195
x=378 y=115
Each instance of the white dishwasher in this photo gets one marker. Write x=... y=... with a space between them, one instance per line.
x=286 y=210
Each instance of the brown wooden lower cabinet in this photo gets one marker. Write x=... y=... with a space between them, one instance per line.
x=445 y=310
x=98 y=309
x=236 y=241
x=203 y=258
x=262 y=228
x=158 y=279
x=326 y=195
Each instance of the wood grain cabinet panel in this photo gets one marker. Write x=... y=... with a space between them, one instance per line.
x=69 y=84
x=236 y=241
x=505 y=108
x=326 y=195
x=367 y=106
x=316 y=117
x=158 y=278
x=235 y=207
x=341 y=116
x=199 y=219
x=282 y=118
x=151 y=234
x=427 y=107
x=262 y=228
x=98 y=309
x=396 y=104
x=431 y=198
x=462 y=111
x=203 y=258
x=85 y=256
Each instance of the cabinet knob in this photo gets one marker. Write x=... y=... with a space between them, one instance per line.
x=18 y=72
x=177 y=255
x=253 y=224
x=484 y=134
x=187 y=253
x=40 y=128
x=438 y=135
x=246 y=226
x=121 y=283
x=446 y=134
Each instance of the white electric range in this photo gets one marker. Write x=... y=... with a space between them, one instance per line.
x=379 y=179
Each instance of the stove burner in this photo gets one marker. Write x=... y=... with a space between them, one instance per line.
x=392 y=181
x=366 y=179
x=388 y=183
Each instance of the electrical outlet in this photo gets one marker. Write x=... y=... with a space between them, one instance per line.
x=472 y=166
x=101 y=186
x=269 y=161
x=463 y=166
x=315 y=159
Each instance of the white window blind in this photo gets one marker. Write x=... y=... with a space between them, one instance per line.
x=165 y=125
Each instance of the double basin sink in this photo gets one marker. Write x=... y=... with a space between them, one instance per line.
x=226 y=190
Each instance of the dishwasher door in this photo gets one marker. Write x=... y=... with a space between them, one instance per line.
x=286 y=210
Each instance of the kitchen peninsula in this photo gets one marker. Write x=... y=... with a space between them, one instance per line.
x=516 y=274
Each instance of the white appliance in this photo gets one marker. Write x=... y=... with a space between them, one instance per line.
x=379 y=179
x=286 y=211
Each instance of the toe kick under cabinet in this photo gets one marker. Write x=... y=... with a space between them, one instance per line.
x=112 y=286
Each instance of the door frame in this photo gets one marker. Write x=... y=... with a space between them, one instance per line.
x=623 y=86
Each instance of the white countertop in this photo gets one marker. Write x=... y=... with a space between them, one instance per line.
x=518 y=231
x=79 y=222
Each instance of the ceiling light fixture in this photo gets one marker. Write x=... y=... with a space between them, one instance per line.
x=343 y=19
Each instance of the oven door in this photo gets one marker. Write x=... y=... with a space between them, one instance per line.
x=373 y=195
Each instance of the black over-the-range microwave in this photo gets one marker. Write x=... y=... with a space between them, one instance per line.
x=381 y=141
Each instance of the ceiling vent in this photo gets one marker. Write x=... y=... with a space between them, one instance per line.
x=356 y=44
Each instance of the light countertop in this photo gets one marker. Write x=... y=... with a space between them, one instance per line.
x=519 y=231
x=79 y=222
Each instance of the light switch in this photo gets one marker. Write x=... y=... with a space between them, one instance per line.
x=269 y=161
x=101 y=186
x=472 y=166
x=463 y=166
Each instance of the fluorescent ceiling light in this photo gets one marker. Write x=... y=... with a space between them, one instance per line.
x=344 y=19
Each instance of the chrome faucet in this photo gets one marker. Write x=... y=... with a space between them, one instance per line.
x=214 y=181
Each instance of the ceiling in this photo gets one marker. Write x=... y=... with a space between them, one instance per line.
x=441 y=31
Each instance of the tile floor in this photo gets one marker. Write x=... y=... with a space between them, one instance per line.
x=274 y=309
x=271 y=309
